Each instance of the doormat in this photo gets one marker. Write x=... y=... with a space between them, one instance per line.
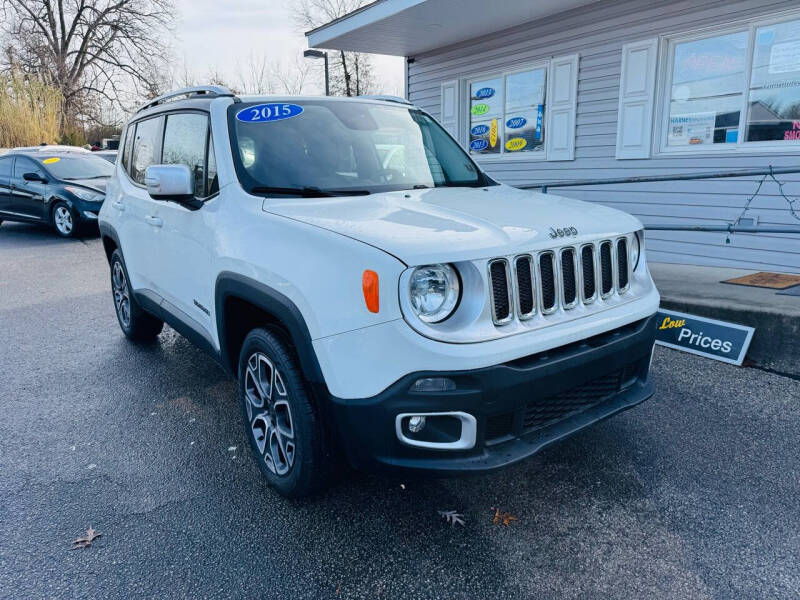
x=775 y=281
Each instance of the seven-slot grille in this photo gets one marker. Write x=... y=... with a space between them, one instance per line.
x=568 y=276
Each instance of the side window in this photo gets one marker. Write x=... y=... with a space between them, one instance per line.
x=128 y=149
x=25 y=165
x=146 y=147
x=185 y=144
x=212 y=181
x=5 y=169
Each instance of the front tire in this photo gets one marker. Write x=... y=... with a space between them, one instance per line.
x=281 y=423
x=64 y=221
x=137 y=324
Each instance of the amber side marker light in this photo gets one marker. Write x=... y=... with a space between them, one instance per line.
x=369 y=283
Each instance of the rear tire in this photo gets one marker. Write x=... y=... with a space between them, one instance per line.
x=137 y=324
x=282 y=424
x=64 y=221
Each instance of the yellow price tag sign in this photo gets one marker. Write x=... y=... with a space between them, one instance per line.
x=50 y=161
x=493 y=133
x=516 y=144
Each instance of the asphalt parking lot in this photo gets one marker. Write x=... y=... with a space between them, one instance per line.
x=695 y=493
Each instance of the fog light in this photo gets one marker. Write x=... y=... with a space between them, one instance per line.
x=433 y=384
x=416 y=424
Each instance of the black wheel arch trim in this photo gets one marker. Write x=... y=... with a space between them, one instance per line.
x=107 y=231
x=234 y=285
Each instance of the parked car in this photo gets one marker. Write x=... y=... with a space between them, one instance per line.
x=419 y=318
x=58 y=185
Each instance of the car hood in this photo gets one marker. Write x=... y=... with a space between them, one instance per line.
x=452 y=224
x=98 y=185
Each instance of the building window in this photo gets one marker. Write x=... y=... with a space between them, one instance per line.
x=734 y=89
x=506 y=113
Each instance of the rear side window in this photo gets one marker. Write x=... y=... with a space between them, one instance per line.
x=5 y=169
x=146 y=147
x=185 y=138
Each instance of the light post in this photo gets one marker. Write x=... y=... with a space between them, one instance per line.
x=320 y=54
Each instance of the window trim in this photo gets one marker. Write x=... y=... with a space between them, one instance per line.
x=466 y=85
x=665 y=65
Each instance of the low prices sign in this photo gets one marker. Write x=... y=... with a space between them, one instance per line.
x=719 y=340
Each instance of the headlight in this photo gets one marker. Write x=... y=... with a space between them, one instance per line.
x=434 y=291
x=635 y=250
x=84 y=194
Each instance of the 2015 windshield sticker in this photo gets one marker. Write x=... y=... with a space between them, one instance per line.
x=50 y=161
x=265 y=113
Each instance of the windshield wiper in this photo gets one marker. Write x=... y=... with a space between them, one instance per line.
x=307 y=192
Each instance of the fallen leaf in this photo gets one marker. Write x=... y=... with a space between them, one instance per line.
x=503 y=517
x=86 y=540
x=452 y=517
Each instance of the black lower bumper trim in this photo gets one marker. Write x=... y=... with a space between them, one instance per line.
x=520 y=406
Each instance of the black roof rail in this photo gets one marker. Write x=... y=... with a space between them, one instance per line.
x=209 y=91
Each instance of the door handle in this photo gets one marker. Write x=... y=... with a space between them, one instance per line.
x=118 y=205
x=154 y=221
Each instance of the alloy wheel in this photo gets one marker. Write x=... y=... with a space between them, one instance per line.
x=269 y=413
x=63 y=220
x=122 y=299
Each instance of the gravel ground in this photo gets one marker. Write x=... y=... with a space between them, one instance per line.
x=693 y=494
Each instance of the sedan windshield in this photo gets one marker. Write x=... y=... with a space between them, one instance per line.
x=331 y=148
x=78 y=167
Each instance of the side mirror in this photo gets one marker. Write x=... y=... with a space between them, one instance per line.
x=169 y=182
x=34 y=177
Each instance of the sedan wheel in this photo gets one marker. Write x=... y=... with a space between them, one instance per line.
x=63 y=221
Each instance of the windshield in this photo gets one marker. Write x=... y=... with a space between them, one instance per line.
x=78 y=167
x=318 y=147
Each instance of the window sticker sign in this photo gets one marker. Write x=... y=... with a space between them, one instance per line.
x=692 y=129
x=265 y=113
x=539 y=115
x=727 y=342
x=784 y=58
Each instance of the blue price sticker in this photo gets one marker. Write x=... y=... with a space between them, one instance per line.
x=266 y=113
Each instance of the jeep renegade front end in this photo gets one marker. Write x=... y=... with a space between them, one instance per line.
x=376 y=295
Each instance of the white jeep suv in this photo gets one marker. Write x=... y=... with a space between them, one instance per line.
x=377 y=296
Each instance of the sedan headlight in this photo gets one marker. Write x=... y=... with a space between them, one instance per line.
x=84 y=194
x=635 y=250
x=434 y=292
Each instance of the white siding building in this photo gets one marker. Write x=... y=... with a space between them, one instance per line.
x=543 y=91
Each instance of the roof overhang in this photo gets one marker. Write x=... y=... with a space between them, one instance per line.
x=411 y=27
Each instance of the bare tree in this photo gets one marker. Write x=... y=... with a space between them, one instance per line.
x=112 y=49
x=260 y=75
x=350 y=72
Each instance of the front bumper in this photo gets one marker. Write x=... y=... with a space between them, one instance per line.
x=520 y=406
